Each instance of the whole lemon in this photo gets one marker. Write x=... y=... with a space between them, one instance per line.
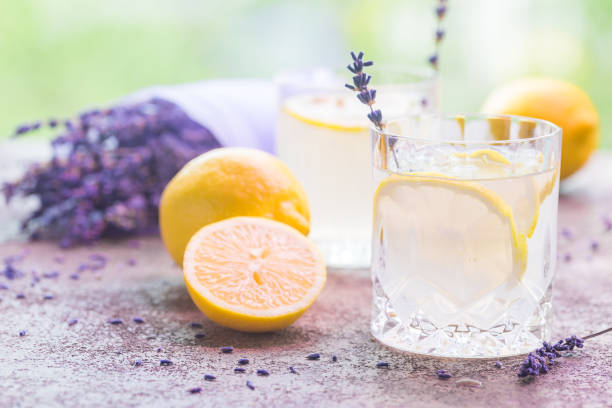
x=559 y=102
x=229 y=182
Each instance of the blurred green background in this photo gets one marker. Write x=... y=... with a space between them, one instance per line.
x=59 y=57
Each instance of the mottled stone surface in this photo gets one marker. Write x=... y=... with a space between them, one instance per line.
x=55 y=364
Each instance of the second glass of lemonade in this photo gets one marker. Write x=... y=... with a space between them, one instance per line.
x=464 y=240
x=323 y=136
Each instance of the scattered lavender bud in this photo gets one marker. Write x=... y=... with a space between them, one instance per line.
x=118 y=351
x=537 y=362
x=594 y=245
x=115 y=321
x=292 y=370
x=165 y=362
x=498 y=364
x=22 y=333
x=243 y=361
x=195 y=390
x=239 y=369
x=382 y=364
x=567 y=233
x=443 y=374
x=200 y=335
x=607 y=221
x=334 y=358
x=138 y=320
x=196 y=324
x=227 y=349
x=74 y=276
x=131 y=262
x=3 y=286
x=159 y=349
x=137 y=363
x=50 y=275
x=20 y=296
x=313 y=356
x=209 y=377
x=250 y=385
x=48 y=297
x=72 y=322
x=59 y=259
x=263 y=372
x=567 y=257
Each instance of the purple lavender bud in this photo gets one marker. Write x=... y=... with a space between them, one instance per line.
x=196 y=324
x=200 y=335
x=137 y=363
x=21 y=129
x=433 y=60
x=50 y=275
x=20 y=296
x=3 y=286
x=607 y=221
x=115 y=321
x=165 y=362
x=361 y=81
x=250 y=385
x=227 y=349
x=36 y=125
x=263 y=372
x=440 y=12
x=243 y=361
x=594 y=245
x=367 y=97
x=195 y=390
x=334 y=358
x=567 y=257
x=131 y=262
x=439 y=35
x=48 y=296
x=118 y=351
x=22 y=333
x=292 y=370
x=72 y=322
x=74 y=276
x=567 y=233
x=239 y=369
x=138 y=320
x=382 y=364
x=498 y=364
x=376 y=118
x=443 y=374
x=159 y=349
x=313 y=356
x=209 y=377
x=52 y=123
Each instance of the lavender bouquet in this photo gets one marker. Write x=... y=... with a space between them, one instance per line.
x=109 y=166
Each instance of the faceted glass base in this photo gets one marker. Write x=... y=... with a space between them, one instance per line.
x=508 y=336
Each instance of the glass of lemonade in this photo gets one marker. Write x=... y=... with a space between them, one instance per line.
x=322 y=135
x=464 y=239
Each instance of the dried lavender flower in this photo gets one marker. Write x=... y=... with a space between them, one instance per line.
x=20 y=296
x=537 y=362
x=195 y=390
x=227 y=349
x=196 y=324
x=48 y=296
x=443 y=374
x=108 y=170
x=293 y=370
x=313 y=356
x=138 y=320
x=441 y=9
x=165 y=362
x=360 y=85
x=239 y=369
x=200 y=335
x=137 y=363
x=3 y=286
x=250 y=385
x=115 y=321
x=334 y=358
x=263 y=372
x=498 y=364
x=22 y=333
x=382 y=364
x=209 y=377
x=72 y=322
x=243 y=361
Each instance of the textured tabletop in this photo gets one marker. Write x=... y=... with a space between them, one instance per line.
x=93 y=363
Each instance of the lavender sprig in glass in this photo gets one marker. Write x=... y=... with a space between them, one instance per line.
x=361 y=81
x=440 y=14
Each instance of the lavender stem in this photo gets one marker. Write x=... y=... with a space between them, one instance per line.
x=590 y=336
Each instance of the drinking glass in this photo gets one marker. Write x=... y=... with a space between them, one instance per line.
x=464 y=233
x=322 y=135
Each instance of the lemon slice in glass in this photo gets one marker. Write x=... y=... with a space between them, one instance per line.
x=445 y=239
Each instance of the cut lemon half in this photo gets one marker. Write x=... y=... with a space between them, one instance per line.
x=454 y=235
x=252 y=274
